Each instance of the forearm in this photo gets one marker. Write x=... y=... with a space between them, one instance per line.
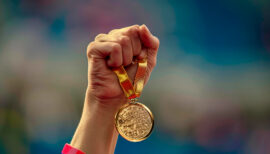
x=96 y=133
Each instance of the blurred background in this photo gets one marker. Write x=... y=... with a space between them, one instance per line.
x=210 y=91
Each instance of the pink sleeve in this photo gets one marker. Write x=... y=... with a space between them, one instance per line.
x=71 y=150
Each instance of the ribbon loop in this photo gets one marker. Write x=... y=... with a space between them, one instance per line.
x=132 y=91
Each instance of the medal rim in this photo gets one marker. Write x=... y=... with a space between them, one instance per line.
x=149 y=112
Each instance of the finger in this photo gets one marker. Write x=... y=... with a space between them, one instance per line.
x=142 y=55
x=152 y=43
x=102 y=50
x=133 y=33
x=148 y=40
x=126 y=49
x=151 y=58
x=125 y=43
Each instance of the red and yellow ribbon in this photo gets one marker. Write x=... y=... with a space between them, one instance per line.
x=132 y=91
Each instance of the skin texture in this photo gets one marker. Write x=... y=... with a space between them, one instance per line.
x=96 y=133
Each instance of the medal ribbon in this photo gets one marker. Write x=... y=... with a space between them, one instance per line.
x=132 y=91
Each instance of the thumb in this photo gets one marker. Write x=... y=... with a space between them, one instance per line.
x=148 y=40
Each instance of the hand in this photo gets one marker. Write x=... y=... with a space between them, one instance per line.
x=118 y=47
x=96 y=132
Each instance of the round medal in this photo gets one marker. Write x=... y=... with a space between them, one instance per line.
x=134 y=122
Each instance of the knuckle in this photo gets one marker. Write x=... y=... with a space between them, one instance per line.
x=113 y=31
x=133 y=29
x=99 y=36
x=89 y=49
x=115 y=47
x=124 y=40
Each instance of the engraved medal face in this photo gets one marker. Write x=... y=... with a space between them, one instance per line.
x=134 y=122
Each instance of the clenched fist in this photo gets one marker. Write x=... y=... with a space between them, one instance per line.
x=118 y=47
x=96 y=133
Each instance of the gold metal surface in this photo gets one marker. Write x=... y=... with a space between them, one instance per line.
x=134 y=122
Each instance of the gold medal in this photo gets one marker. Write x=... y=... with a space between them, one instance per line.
x=134 y=121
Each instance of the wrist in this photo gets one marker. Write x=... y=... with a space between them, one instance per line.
x=96 y=132
x=93 y=102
